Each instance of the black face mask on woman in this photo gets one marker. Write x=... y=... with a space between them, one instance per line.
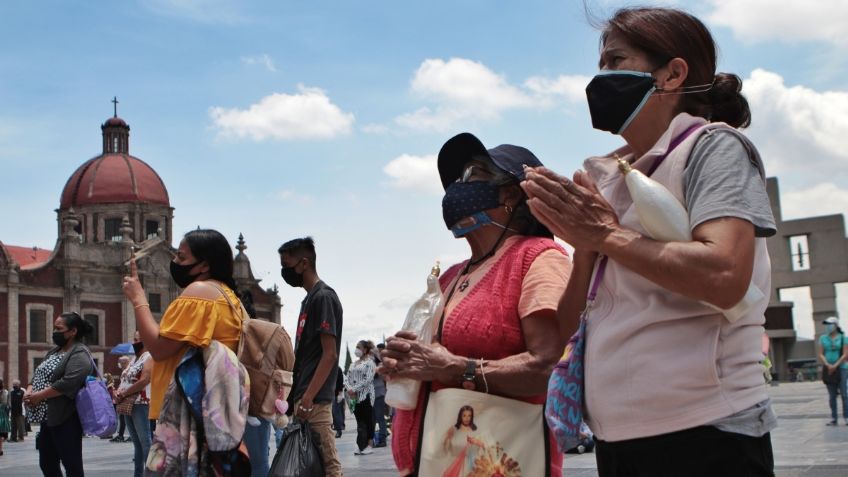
x=182 y=274
x=616 y=97
x=59 y=338
x=138 y=347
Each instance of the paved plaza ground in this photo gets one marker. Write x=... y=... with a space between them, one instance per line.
x=803 y=445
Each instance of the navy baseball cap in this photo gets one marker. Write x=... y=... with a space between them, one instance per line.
x=461 y=148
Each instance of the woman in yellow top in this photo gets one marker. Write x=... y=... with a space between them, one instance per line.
x=203 y=266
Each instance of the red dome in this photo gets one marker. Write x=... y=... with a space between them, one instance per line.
x=115 y=121
x=112 y=178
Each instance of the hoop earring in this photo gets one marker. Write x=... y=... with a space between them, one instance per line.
x=508 y=209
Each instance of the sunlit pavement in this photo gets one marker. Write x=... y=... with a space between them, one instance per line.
x=803 y=445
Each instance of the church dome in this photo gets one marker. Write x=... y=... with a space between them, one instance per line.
x=114 y=176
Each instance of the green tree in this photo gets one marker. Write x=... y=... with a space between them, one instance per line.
x=348 y=359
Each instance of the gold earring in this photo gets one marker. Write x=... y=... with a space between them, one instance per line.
x=508 y=209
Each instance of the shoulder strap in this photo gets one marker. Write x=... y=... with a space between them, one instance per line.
x=91 y=358
x=243 y=312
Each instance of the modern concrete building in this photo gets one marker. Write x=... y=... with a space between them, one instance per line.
x=810 y=252
x=110 y=204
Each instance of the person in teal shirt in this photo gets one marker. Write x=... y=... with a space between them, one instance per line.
x=833 y=352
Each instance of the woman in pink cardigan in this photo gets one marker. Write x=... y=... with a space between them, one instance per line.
x=500 y=304
x=672 y=387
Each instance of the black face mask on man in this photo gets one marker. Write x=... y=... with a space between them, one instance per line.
x=291 y=277
x=182 y=274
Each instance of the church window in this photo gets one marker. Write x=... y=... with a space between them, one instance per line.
x=151 y=229
x=38 y=326
x=112 y=230
x=94 y=337
x=115 y=144
x=155 y=300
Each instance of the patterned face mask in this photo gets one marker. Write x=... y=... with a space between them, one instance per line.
x=469 y=199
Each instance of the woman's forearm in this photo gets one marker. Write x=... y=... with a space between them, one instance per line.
x=520 y=375
x=715 y=267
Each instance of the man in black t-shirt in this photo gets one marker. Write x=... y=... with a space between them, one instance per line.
x=317 y=345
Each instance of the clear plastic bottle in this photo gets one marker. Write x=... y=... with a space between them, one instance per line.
x=402 y=393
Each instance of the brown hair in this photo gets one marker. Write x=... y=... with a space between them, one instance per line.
x=368 y=345
x=459 y=417
x=667 y=33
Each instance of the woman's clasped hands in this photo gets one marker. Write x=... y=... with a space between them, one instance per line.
x=406 y=357
x=573 y=210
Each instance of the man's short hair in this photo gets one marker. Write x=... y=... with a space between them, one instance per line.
x=299 y=248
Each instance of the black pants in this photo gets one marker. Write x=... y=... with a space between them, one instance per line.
x=62 y=443
x=700 y=451
x=364 y=422
x=122 y=424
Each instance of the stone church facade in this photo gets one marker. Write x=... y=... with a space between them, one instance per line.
x=112 y=204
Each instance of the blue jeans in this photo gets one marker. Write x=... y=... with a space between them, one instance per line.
x=256 y=439
x=380 y=418
x=843 y=389
x=139 y=426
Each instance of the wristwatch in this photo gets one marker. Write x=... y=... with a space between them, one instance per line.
x=469 y=376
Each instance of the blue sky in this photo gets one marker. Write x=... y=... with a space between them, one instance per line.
x=280 y=119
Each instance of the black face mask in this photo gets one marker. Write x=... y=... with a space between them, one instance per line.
x=616 y=97
x=291 y=277
x=181 y=274
x=464 y=199
x=59 y=338
x=138 y=347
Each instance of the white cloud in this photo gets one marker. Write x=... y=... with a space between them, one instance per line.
x=307 y=115
x=263 y=60
x=783 y=20
x=461 y=89
x=202 y=11
x=417 y=173
x=375 y=129
x=821 y=199
x=798 y=130
x=570 y=87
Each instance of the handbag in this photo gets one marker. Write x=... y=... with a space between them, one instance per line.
x=125 y=407
x=474 y=433
x=830 y=378
x=564 y=405
x=94 y=406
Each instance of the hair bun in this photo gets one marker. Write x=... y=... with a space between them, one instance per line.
x=727 y=102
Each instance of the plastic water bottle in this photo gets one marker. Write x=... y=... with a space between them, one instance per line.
x=402 y=393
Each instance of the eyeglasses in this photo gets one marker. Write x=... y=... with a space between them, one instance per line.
x=475 y=172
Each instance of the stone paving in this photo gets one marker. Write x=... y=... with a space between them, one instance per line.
x=803 y=445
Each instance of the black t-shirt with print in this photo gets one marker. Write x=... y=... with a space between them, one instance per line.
x=320 y=312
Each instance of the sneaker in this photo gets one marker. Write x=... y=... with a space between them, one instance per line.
x=581 y=449
x=367 y=451
x=338 y=434
x=383 y=444
x=832 y=423
x=356 y=452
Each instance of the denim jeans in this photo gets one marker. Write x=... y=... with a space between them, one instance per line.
x=139 y=427
x=380 y=419
x=256 y=439
x=843 y=389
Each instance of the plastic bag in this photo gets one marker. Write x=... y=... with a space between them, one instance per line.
x=298 y=454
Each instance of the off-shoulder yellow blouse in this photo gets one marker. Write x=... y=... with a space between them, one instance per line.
x=195 y=321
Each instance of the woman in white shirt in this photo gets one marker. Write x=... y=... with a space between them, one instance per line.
x=359 y=384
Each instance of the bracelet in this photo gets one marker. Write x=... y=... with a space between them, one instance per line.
x=142 y=306
x=306 y=410
x=483 y=374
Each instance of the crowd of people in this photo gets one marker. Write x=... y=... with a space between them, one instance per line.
x=670 y=383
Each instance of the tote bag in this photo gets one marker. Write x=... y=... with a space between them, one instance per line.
x=94 y=406
x=470 y=434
